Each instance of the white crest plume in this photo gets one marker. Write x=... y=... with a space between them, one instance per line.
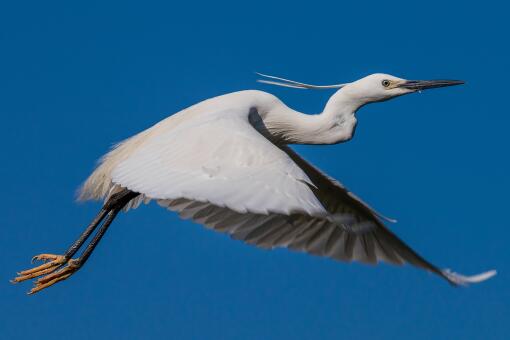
x=295 y=84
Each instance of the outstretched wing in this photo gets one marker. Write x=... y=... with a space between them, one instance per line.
x=222 y=173
x=221 y=160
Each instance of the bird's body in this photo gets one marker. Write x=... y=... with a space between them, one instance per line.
x=225 y=163
x=204 y=132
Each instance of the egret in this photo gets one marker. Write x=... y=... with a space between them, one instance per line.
x=225 y=163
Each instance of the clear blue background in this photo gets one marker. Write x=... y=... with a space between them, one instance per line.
x=75 y=78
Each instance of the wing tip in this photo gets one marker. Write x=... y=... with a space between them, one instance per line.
x=462 y=280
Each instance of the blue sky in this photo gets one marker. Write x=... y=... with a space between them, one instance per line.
x=77 y=77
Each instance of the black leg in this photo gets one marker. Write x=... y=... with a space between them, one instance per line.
x=50 y=270
x=85 y=235
x=92 y=245
x=115 y=202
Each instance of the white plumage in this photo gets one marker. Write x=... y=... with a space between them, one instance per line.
x=225 y=163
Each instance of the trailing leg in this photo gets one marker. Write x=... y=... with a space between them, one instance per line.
x=60 y=267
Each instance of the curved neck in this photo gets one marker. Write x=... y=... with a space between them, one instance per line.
x=342 y=103
x=336 y=124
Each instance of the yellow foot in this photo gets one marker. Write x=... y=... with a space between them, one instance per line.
x=59 y=275
x=52 y=263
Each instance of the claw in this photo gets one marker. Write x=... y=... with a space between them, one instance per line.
x=40 y=287
x=55 y=261
x=52 y=278
x=52 y=271
x=45 y=257
x=70 y=268
x=32 y=275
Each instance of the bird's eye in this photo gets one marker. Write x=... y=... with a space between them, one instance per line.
x=385 y=83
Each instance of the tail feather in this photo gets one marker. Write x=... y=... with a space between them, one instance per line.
x=462 y=280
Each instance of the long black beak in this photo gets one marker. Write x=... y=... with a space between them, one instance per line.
x=418 y=85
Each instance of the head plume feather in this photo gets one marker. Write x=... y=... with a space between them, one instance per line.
x=295 y=84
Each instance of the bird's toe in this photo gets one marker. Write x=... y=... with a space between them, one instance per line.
x=51 y=263
x=56 y=276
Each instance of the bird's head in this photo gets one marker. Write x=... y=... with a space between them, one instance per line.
x=380 y=87
x=376 y=87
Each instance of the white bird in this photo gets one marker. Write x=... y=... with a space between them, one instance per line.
x=225 y=163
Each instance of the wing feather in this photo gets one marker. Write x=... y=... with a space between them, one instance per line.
x=225 y=162
x=219 y=171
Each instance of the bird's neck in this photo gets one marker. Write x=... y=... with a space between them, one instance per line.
x=336 y=124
